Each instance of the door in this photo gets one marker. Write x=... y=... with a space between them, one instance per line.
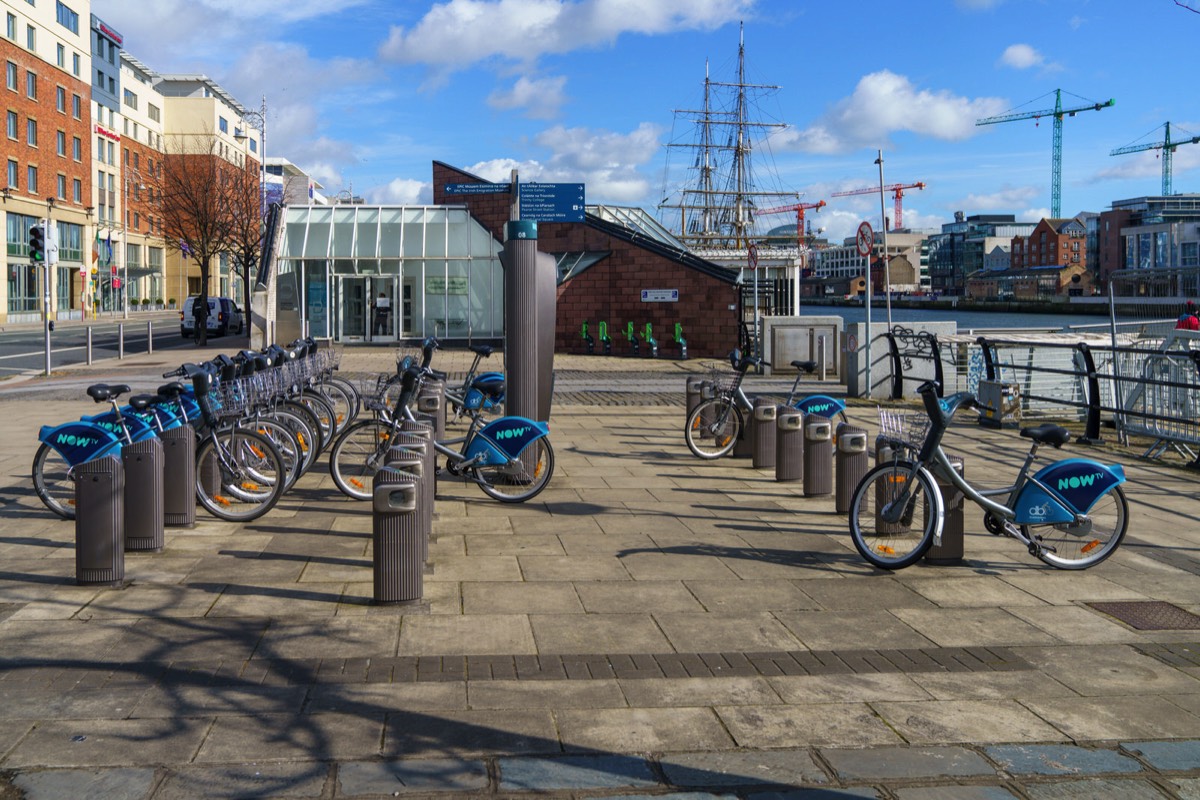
x=408 y=292
x=383 y=309
x=352 y=309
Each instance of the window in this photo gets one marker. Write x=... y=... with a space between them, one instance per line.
x=11 y=30
x=31 y=37
x=31 y=179
x=112 y=85
x=60 y=100
x=111 y=156
x=60 y=143
x=31 y=132
x=13 y=173
x=137 y=221
x=253 y=146
x=77 y=190
x=1189 y=254
x=223 y=124
x=62 y=187
x=76 y=106
x=131 y=99
x=13 y=124
x=11 y=76
x=100 y=78
x=68 y=18
x=154 y=112
x=60 y=56
x=75 y=64
x=31 y=85
x=76 y=148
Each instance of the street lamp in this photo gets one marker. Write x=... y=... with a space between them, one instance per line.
x=125 y=237
x=258 y=121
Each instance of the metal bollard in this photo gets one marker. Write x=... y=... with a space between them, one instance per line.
x=149 y=336
x=179 y=477
x=120 y=340
x=851 y=464
x=409 y=458
x=693 y=392
x=100 y=522
x=884 y=493
x=424 y=433
x=952 y=548
x=789 y=445
x=89 y=344
x=744 y=446
x=708 y=391
x=762 y=433
x=143 y=463
x=396 y=565
x=818 y=456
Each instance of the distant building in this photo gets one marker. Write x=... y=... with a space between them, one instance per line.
x=1152 y=232
x=964 y=245
x=290 y=185
x=834 y=265
x=1054 y=242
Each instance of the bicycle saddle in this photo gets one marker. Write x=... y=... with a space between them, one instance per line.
x=484 y=350
x=103 y=392
x=1049 y=433
x=171 y=390
x=141 y=402
x=808 y=366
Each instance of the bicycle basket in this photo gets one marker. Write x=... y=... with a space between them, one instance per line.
x=374 y=392
x=906 y=428
x=722 y=379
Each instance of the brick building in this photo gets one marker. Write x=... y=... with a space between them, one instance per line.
x=618 y=274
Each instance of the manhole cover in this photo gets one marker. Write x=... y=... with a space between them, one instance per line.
x=1150 y=615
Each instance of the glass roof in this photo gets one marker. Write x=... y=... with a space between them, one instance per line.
x=637 y=219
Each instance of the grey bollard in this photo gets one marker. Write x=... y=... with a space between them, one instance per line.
x=692 y=393
x=179 y=477
x=431 y=403
x=850 y=464
x=396 y=565
x=952 y=548
x=883 y=492
x=708 y=391
x=818 y=456
x=762 y=433
x=100 y=522
x=425 y=433
x=789 y=445
x=143 y=463
x=410 y=459
x=744 y=446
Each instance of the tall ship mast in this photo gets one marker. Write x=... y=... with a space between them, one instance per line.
x=712 y=213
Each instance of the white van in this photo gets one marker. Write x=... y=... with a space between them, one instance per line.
x=224 y=317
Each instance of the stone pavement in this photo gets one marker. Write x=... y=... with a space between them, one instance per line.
x=652 y=625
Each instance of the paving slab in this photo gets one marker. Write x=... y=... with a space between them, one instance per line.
x=740 y=768
x=864 y=687
x=471 y=732
x=640 y=730
x=290 y=737
x=957 y=721
x=1094 y=790
x=954 y=793
x=664 y=597
x=94 y=784
x=835 y=630
x=1043 y=759
x=480 y=634
x=233 y=781
x=109 y=743
x=591 y=633
x=546 y=694
x=1114 y=718
x=706 y=633
x=574 y=772
x=907 y=763
x=403 y=776
x=834 y=724
x=1167 y=756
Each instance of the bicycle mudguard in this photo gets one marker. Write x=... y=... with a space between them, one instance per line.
x=505 y=438
x=822 y=405
x=139 y=429
x=80 y=441
x=1072 y=487
x=156 y=416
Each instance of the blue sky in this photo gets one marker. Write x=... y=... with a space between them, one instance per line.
x=366 y=94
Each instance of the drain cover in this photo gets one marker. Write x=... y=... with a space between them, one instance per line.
x=1150 y=615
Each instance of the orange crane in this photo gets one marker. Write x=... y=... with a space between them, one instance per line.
x=897 y=190
x=799 y=208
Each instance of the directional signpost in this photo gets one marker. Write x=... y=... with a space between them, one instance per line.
x=477 y=188
x=865 y=240
x=552 y=202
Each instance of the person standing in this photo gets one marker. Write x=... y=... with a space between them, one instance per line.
x=383 y=313
x=1188 y=320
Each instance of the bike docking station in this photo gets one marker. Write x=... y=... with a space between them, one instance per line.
x=851 y=463
x=762 y=433
x=144 y=495
x=818 y=456
x=397 y=563
x=417 y=439
x=789 y=445
x=100 y=522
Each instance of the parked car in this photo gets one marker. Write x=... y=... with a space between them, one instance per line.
x=224 y=317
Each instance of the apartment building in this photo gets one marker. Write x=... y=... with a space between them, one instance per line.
x=46 y=153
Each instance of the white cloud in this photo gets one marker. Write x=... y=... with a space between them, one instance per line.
x=1023 y=56
x=404 y=191
x=884 y=103
x=1149 y=164
x=1004 y=200
x=540 y=97
x=456 y=34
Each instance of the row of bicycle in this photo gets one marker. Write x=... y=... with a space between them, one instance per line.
x=1070 y=514
x=262 y=419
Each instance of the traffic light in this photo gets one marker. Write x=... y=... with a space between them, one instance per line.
x=37 y=245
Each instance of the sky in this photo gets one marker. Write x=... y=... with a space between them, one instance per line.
x=366 y=94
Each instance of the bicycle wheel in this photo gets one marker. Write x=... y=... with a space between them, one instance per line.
x=301 y=432
x=351 y=392
x=521 y=478
x=322 y=409
x=286 y=443
x=713 y=428
x=239 y=475
x=1087 y=544
x=345 y=405
x=357 y=455
x=53 y=482
x=317 y=442
x=893 y=545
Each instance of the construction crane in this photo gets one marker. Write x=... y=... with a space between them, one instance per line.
x=897 y=190
x=1167 y=147
x=1058 y=113
x=799 y=208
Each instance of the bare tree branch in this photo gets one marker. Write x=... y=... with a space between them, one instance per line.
x=1188 y=4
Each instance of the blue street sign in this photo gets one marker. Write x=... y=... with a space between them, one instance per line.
x=552 y=202
x=477 y=188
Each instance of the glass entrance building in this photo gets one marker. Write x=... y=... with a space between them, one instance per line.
x=385 y=273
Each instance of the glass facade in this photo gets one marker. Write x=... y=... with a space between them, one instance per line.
x=371 y=273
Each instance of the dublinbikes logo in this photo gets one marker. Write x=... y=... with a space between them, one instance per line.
x=1039 y=512
x=1079 y=481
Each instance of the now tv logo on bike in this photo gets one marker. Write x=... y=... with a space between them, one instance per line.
x=75 y=440
x=1080 y=481
x=511 y=433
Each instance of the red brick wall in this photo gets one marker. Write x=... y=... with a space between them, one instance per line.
x=44 y=110
x=611 y=290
